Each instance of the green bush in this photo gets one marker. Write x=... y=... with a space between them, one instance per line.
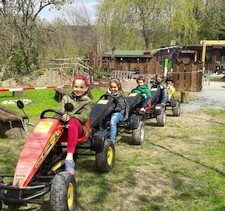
x=100 y=74
x=39 y=72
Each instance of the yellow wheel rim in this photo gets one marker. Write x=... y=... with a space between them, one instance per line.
x=110 y=155
x=70 y=195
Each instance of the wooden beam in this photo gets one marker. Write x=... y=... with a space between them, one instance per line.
x=203 y=58
x=213 y=42
x=204 y=43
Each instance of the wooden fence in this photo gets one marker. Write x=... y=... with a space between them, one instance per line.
x=188 y=78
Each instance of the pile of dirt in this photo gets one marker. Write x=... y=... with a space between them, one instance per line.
x=48 y=78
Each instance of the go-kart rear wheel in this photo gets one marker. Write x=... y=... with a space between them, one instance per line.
x=105 y=159
x=176 y=109
x=138 y=134
x=161 y=119
x=63 y=194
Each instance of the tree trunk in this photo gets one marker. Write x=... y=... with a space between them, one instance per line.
x=5 y=66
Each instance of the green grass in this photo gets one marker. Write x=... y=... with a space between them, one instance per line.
x=41 y=100
x=178 y=167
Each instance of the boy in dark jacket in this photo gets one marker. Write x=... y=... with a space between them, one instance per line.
x=162 y=85
x=142 y=89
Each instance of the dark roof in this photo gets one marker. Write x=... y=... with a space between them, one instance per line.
x=131 y=53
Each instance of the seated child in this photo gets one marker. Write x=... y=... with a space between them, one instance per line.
x=81 y=99
x=160 y=83
x=142 y=89
x=170 y=87
x=115 y=93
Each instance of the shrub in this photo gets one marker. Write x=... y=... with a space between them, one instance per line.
x=100 y=74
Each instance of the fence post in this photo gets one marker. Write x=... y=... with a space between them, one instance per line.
x=184 y=97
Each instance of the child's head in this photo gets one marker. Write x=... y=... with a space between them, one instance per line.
x=159 y=78
x=169 y=80
x=80 y=86
x=115 y=86
x=140 y=81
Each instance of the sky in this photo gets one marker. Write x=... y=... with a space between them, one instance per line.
x=51 y=15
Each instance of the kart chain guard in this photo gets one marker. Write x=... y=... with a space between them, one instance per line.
x=135 y=122
x=156 y=93
x=100 y=110
x=133 y=99
x=173 y=102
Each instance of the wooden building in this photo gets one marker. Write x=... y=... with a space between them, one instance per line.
x=185 y=62
x=152 y=62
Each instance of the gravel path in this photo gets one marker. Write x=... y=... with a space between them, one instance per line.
x=212 y=95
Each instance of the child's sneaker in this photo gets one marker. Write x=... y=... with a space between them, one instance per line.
x=69 y=166
x=113 y=141
x=142 y=111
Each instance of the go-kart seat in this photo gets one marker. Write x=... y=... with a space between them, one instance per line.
x=88 y=131
x=84 y=137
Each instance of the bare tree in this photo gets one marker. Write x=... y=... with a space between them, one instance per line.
x=21 y=33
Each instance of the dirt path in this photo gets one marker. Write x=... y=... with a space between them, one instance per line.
x=212 y=95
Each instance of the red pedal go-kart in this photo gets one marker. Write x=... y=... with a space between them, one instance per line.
x=40 y=168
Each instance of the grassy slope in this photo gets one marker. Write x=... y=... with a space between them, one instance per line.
x=179 y=167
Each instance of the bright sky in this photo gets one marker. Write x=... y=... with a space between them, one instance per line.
x=89 y=5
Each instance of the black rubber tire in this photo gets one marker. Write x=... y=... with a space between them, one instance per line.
x=105 y=160
x=176 y=109
x=0 y=205
x=138 y=135
x=161 y=119
x=13 y=208
x=63 y=194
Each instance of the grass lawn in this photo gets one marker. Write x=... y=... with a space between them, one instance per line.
x=179 y=167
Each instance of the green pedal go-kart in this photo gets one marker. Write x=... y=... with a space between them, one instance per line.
x=40 y=168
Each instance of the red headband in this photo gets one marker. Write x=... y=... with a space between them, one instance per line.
x=84 y=78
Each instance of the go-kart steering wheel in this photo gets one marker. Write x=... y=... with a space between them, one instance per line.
x=105 y=95
x=42 y=116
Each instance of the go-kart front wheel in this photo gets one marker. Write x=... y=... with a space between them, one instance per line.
x=63 y=194
x=105 y=159
x=138 y=134
x=176 y=109
x=161 y=119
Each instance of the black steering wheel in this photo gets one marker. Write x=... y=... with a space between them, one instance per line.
x=42 y=116
x=105 y=96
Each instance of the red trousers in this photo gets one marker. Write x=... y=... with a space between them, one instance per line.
x=75 y=131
